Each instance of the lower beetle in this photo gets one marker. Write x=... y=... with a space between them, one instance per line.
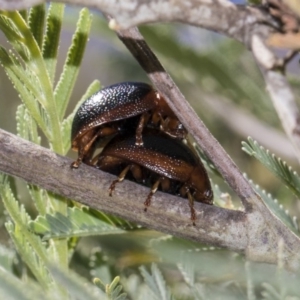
x=165 y=162
x=106 y=112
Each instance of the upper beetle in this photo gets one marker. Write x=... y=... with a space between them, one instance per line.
x=161 y=161
x=106 y=112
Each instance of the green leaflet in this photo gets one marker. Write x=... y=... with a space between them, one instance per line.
x=274 y=164
x=71 y=67
x=28 y=245
x=26 y=88
x=26 y=126
x=29 y=254
x=51 y=37
x=29 y=76
x=36 y=22
x=276 y=208
x=113 y=290
x=78 y=222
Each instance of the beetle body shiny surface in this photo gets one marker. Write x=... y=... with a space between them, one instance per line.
x=106 y=113
x=167 y=162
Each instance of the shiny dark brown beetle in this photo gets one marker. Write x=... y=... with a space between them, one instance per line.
x=167 y=162
x=106 y=112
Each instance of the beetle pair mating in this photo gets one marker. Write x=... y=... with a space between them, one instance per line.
x=145 y=145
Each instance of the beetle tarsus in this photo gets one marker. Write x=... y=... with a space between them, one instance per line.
x=75 y=164
x=112 y=187
x=148 y=201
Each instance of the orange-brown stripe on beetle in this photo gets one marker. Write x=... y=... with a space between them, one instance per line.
x=106 y=112
x=165 y=162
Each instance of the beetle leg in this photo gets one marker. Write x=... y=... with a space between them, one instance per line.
x=120 y=179
x=169 y=126
x=75 y=164
x=173 y=128
x=86 y=152
x=184 y=190
x=156 y=118
x=191 y=204
x=138 y=134
x=153 y=191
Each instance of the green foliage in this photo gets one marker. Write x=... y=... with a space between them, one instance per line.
x=68 y=77
x=274 y=164
x=77 y=287
x=113 y=290
x=156 y=283
x=51 y=38
x=28 y=245
x=6 y=258
x=31 y=66
x=32 y=75
x=36 y=21
x=13 y=288
x=77 y=223
x=277 y=209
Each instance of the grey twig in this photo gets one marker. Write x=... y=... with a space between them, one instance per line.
x=250 y=233
x=89 y=186
x=223 y=16
x=279 y=90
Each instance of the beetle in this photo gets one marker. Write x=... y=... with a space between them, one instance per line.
x=107 y=112
x=165 y=162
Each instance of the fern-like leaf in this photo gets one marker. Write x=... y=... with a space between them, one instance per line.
x=36 y=72
x=113 y=290
x=274 y=164
x=21 y=38
x=29 y=82
x=71 y=67
x=29 y=256
x=21 y=220
x=39 y=197
x=78 y=222
x=26 y=126
x=276 y=208
x=28 y=87
x=156 y=283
